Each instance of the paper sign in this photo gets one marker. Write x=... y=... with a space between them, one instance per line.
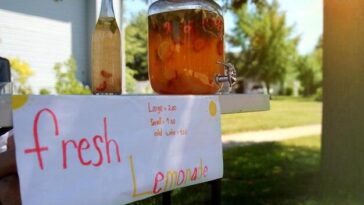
x=114 y=149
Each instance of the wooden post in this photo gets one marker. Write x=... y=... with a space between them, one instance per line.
x=343 y=111
x=216 y=192
x=167 y=198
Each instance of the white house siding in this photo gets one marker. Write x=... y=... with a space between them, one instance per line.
x=44 y=32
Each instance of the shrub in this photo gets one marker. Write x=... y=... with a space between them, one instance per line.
x=44 y=91
x=67 y=83
x=318 y=95
x=21 y=71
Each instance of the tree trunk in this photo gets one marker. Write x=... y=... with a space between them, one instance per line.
x=267 y=85
x=343 y=97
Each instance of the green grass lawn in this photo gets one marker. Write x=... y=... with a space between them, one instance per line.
x=268 y=173
x=276 y=173
x=284 y=112
x=272 y=173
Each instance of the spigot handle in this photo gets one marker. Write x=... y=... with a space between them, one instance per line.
x=230 y=74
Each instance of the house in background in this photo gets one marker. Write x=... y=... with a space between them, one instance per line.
x=45 y=32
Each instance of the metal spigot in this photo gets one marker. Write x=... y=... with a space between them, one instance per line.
x=229 y=76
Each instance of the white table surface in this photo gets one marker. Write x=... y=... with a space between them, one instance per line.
x=230 y=103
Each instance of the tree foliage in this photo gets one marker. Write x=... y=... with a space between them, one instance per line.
x=44 y=91
x=136 y=46
x=309 y=69
x=21 y=71
x=130 y=80
x=237 y=4
x=67 y=83
x=268 y=49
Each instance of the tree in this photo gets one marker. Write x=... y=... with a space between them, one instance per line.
x=309 y=74
x=130 y=81
x=44 y=91
x=237 y=4
x=21 y=71
x=319 y=50
x=268 y=49
x=136 y=46
x=342 y=162
x=309 y=68
x=67 y=82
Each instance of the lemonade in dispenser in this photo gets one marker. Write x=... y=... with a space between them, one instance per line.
x=186 y=47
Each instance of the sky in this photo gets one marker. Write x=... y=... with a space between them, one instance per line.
x=305 y=15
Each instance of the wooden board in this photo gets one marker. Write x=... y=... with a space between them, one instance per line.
x=231 y=103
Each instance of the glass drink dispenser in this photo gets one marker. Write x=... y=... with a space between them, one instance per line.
x=186 y=47
x=106 y=53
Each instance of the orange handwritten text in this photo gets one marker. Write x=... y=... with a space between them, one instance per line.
x=155 y=122
x=178 y=132
x=172 y=179
x=153 y=108
x=160 y=108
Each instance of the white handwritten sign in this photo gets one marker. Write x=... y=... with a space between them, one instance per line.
x=114 y=149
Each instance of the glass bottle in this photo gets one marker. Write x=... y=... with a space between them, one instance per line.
x=106 y=53
x=185 y=46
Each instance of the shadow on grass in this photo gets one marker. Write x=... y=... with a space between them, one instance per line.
x=268 y=173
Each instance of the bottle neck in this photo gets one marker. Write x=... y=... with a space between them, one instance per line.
x=107 y=9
